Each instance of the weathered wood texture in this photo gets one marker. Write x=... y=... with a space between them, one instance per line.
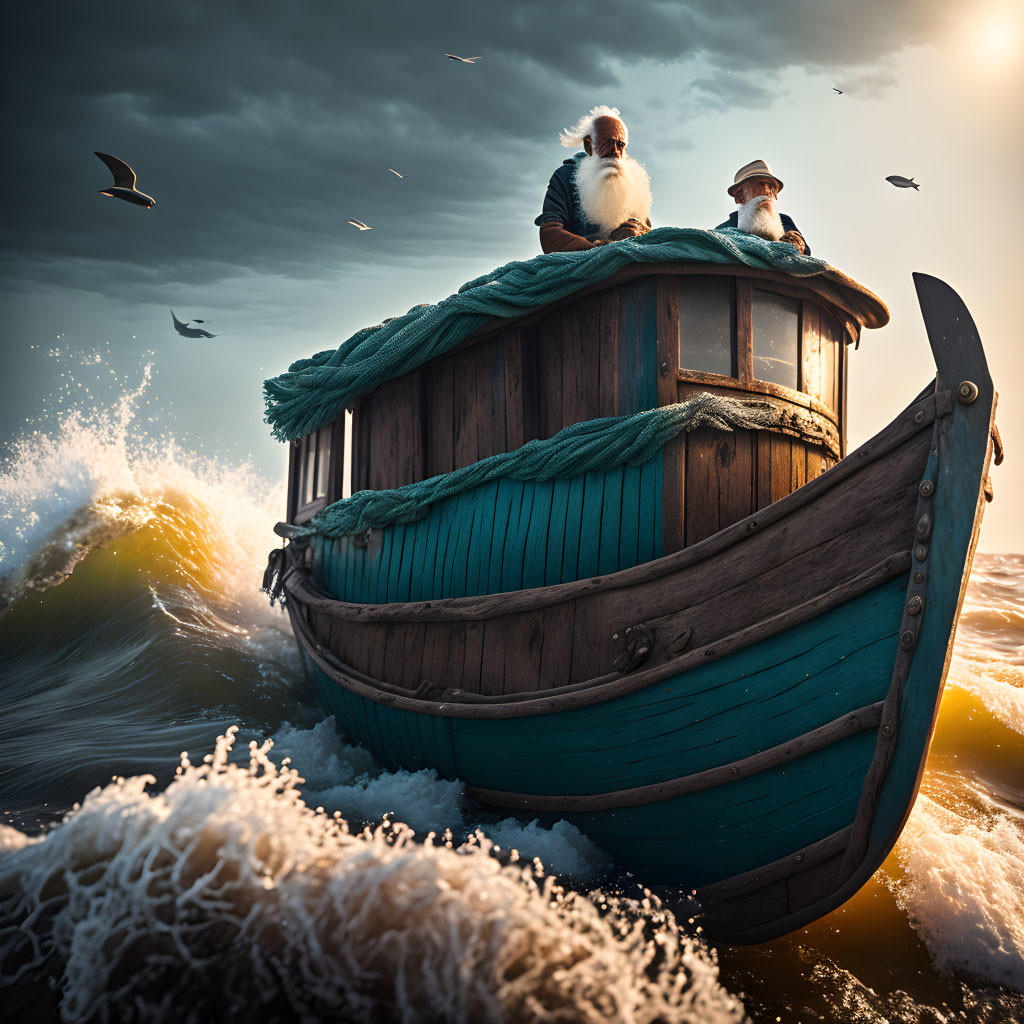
x=610 y=352
x=798 y=556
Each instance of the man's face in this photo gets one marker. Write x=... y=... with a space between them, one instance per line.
x=609 y=139
x=755 y=187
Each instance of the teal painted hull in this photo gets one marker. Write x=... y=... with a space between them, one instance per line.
x=501 y=537
x=759 y=697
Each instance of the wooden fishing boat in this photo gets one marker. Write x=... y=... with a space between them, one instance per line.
x=722 y=664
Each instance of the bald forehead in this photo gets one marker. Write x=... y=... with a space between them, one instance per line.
x=608 y=128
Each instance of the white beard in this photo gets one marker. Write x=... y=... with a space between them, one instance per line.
x=612 y=191
x=761 y=217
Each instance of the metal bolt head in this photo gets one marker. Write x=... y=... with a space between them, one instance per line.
x=919 y=577
x=927 y=488
x=919 y=416
x=921 y=552
x=887 y=730
x=914 y=605
x=907 y=639
x=967 y=392
x=752 y=525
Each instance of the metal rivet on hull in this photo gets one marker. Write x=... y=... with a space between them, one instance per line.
x=967 y=392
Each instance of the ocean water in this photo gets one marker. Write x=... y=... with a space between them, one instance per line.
x=275 y=870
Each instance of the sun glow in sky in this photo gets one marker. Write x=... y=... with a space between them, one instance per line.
x=997 y=35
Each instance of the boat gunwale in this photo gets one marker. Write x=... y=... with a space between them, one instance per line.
x=597 y=690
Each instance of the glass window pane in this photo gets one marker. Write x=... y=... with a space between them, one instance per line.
x=323 y=462
x=776 y=321
x=308 y=478
x=706 y=318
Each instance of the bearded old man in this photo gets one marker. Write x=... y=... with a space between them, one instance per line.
x=598 y=196
x=755 y=189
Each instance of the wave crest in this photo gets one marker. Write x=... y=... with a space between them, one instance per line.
x=226 y=892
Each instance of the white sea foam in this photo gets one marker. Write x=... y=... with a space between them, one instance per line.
x=227 y=891
x=343 y=778
x=96 y=478
x=964 y=891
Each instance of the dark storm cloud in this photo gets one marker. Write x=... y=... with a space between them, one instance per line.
x=260 y=128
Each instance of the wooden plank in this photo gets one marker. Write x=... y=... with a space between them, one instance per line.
x=589 y=370
x=492 y=662
x=573 y=525
x=607 y=304
x=549 y=376
x=629 y=522
x=574 y=367
x=556 y=532
x=782 y=466
x=515 y=537
x=472 y=663
x=611 y=517
x=492 y=397
x=411 y=667
x=763 y=469
x=798 y=464
x=362 y=426
x=536 y=542
x=645 y=372
x=439 y=416
x=630 y=398
x=590 y=525
x=744 y=333
x=482 y=541
x=701 y=498
x=736 y=483
x=533 y=412
x=523 y=654
x=649 y=535
x=673 y=508
x=515 y=413
x=556 y=650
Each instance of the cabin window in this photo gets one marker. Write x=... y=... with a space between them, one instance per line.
x=308 y=469
x=312 y=467
x=776 y=334
x=706 y=324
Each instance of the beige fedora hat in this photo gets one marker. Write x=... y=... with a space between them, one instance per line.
x=755 y=169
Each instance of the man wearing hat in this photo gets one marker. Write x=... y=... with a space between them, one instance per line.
x=754 y=189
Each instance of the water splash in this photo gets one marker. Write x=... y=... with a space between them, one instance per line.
x=226 y=893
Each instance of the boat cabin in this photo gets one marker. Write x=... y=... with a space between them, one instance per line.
x=652 y=335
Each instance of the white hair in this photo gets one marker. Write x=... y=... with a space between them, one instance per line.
x=572 y=138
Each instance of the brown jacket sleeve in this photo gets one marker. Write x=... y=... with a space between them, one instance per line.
x=554 y=238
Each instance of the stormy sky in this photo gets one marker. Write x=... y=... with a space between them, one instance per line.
x=260 y=128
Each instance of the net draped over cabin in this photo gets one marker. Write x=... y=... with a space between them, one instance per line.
x=653 y=324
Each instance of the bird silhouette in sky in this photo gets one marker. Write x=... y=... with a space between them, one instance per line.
x=900 y=182
x=190 y=332
x=124 y=183
x=463 y=60
x=840 y=91
x=360 y=225
x=395 y=173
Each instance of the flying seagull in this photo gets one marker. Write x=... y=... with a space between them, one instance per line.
x=463 y=60
x=124 y=183
x=900 y=182
x=190 y=332
x=840 y=91
x=395 y=173
x=360 y=225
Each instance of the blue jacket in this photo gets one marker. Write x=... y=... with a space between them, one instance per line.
x=787 y=223
x=562 y=202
